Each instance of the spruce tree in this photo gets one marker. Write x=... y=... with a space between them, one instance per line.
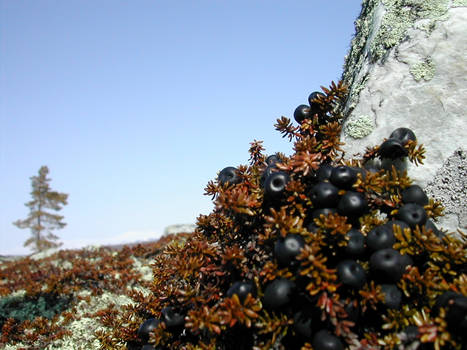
x=40 y=221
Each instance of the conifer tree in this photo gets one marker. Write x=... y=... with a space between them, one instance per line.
x=40 y=221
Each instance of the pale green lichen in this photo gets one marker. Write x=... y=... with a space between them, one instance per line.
x=145 y=270
x=359 y=127
x=401 y=15
x=83 y=329
x=423 y=70
x=459 y=3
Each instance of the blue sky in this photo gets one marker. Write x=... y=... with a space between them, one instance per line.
x=135 y=105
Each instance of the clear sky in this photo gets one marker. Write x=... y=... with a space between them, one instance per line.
x=135 y=105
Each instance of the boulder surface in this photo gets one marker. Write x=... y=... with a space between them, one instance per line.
x=407 y=67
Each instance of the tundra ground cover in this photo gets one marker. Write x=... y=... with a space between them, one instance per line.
x=86 y=281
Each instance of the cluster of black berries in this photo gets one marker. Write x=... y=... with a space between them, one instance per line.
x=303 y=112
x=172 y=320
x=345 y=255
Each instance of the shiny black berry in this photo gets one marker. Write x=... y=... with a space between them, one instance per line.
x=302 y=324
x=380 y=237
x=356 y=244
x=392 y=148
x=229 y=175
x=285 y=250
x=268 y=171
x=324 y=172
x=455 y=305
x=324 y=340
x=456 y=315
x=353 y=311
x=146 y=327
x=445 y=300
x=414 y=194
x=373 y=165
x=404 y=135
x=242 y=289
x=412 y=214
x=343 y=177
x=351 y=273
x=278 y=293
x=392 y=296
x=274 y=185
x=352 y=204
x=272 y=159
x=324 y=195
x=301 y=113
x=387 y=265
x=172 y=318
x=314 y=106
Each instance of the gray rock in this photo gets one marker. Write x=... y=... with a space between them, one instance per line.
x=179 y=228
x=44 y=254
x=450 y=187
x=407 y=68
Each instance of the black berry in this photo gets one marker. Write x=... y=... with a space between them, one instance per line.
x=387 y=265
x=172 y=318
x=392 y=296
x=323 y=340
x=242 y=289
x=380 y=237
x=285 y=250
x=146 y=327
x=351 y=274
x=229 y=175
x=301 y=113
x=356 y=244
x=412 y=214
x=404 y=135
x=392 y=148
x=343 y=177
x=278 y=293
x=414 y=194
x=314 y=106
x=324 y=195
x=352 y=204
x=272 y=159
x=457 y=315
x=302 y=324
x=275 y=184
x=324 y=172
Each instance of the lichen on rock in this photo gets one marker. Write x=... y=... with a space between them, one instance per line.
x=359 y=126
x=399 y=16
x=459 y=3
x=423 y=70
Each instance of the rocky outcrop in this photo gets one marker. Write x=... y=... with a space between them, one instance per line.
x=179 y=228
x=407 y=67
